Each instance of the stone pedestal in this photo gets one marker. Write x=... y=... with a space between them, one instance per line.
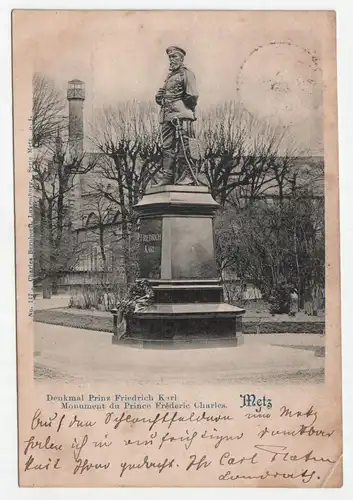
x=177 y=256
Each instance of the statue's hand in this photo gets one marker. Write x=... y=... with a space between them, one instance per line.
x=160 y=96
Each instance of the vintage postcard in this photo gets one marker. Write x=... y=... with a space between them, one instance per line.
x=177 y=248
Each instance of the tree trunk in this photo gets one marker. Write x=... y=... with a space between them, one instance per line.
x=301 y=301
x=46 y=288
x=315 y=300
x=42 y=235
x=124 y=221
x=101 y=244
x=126 y=253
x=53 y=251
x=302 y=293
x=299 y=288
x=54 y=285
x=308 y=304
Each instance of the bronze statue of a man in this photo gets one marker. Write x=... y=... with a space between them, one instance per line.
x=177 y=99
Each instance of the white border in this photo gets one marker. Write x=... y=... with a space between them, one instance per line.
x=8 y=409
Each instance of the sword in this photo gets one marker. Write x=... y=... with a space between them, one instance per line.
x=176 y=122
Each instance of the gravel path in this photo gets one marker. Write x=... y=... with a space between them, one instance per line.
x=88 y=356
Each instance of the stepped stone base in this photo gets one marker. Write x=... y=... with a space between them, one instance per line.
x=177 y=257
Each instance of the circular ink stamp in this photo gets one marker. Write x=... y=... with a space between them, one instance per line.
x=280 y=81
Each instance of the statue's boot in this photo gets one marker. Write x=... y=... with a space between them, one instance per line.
x=167 y=173
x=168 y=178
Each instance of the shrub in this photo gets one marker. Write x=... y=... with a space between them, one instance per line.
x=280 y=299
x=97 y=297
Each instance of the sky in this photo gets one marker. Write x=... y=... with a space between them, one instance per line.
x=270 y=62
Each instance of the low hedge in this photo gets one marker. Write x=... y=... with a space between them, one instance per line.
x=284 y=327
x=105 y=324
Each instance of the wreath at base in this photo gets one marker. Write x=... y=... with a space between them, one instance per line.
x=139 y=296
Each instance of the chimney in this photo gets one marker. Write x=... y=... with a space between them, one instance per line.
x=76 y=96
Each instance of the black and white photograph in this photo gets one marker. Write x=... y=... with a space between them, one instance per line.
x=179 y=204
x=180 y=197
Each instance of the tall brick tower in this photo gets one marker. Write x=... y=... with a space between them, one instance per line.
x=76 y=97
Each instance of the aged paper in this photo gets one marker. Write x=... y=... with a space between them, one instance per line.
x=222 y=368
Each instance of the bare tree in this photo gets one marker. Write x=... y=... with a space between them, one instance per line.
x=48 y=106
x=55 y=174
x=127 y=136
x=102 y=219
x=271 y=244
x=304 y=221
x=247 y=244
x=243 y=156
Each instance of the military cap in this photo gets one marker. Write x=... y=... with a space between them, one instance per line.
x=174 y=48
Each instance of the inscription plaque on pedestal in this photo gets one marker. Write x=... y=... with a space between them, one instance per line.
x=192 y=248
x=150 y=248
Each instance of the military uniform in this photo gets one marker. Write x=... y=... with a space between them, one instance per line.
x=178 y=99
